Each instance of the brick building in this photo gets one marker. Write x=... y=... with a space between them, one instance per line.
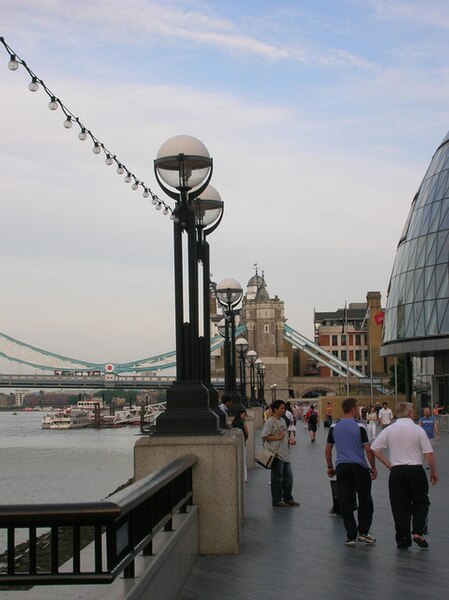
x=353 y=334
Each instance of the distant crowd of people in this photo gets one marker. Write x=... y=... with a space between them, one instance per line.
x=361 y=437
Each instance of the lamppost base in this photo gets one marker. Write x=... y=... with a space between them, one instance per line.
x=188 y=412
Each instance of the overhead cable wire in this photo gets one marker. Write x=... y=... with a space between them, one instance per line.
x=84 y=132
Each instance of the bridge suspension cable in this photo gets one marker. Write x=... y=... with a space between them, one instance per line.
x=319 y=354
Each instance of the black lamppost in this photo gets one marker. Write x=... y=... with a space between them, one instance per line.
x=241 y=347
x=229 y=294
x=183 y=169
x=273 y=392
x=260 y=372
x=251 y=357
x=208 y=207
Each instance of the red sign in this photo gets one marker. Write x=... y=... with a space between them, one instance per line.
x=379 y=318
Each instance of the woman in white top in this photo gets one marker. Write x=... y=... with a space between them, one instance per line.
x=371 y=419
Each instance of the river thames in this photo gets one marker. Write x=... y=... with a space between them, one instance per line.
x=40 y=465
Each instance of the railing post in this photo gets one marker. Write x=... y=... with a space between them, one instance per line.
x=76 y=549
x=54 y=549
x=11 y=550
x=33 y=550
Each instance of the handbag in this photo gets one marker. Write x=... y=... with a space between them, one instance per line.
x=264 y=457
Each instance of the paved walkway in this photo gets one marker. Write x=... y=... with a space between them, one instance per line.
x=298 y=553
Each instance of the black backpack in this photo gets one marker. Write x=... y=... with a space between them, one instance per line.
x=312 y=418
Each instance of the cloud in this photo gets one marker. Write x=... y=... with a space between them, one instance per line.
x=169 y=23
x=431 y=13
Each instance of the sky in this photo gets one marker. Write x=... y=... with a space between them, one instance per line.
x=321 y=117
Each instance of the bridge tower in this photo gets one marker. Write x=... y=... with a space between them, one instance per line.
x=264 y=319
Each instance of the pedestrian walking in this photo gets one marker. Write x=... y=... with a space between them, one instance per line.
x=312 y=423
x=275 y=437
x=385 y=415
x=328 y=420
x=430 y=425
x=371 y=419
x=353 y=473
x=408 y=486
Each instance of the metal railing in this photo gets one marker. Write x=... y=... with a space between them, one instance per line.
x=123 y=526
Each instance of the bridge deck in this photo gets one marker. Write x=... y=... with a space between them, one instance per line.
x=297 y=553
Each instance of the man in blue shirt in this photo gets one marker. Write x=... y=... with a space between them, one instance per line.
x=353 y=474
x=430 y=425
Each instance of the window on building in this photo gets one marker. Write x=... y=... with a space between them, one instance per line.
x=366 y=355
x=335 y=353
x=358 y=339
x=267 y=328
x=344 y=355
x=343 y=340
x=358 y=356
x=335 y=340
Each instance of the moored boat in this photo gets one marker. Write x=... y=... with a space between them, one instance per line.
x=67 y=419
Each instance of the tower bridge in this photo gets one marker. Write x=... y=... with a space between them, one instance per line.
x=262 y=321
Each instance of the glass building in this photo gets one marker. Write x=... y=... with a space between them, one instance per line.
x=416 y=322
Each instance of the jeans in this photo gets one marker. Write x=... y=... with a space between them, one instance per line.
x=408 y=487
x=352 y=477
x=281 y=481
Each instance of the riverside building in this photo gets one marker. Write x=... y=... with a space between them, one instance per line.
x=416 y=322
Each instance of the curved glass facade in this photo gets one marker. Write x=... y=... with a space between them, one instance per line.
x=418 y=294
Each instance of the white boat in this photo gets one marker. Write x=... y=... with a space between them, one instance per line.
x=133 y=416
x=69 y=418
x=91 y=404
x=46 y=420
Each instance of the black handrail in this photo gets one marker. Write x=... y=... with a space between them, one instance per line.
x=123 y=525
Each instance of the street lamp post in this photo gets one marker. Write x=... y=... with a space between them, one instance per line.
x=229 y=294
x=260 y=372
x=241 y=346
x=209 y=209
x=251 y=357
x=183 y=169
x=273 y=392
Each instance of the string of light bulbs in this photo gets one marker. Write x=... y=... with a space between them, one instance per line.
x=84 y=132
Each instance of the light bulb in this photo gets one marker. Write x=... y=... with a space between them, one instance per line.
x=120 y=169
x=53 y=105
x=68 y=122
x=153 y=200
x=34 y=86
x=173 y=218
x=166 y=211
x=109 y=159
x=82 y=134
x=158 y=206
x=135 y=185
x=13 y=65
x=128 y=178
x=96 y=149
x=146 y=193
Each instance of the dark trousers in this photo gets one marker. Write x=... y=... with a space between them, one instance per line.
x=281 y=481
x=409 y=498
x=351 y=478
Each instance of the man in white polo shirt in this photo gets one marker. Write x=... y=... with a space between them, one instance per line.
x=408 y=486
